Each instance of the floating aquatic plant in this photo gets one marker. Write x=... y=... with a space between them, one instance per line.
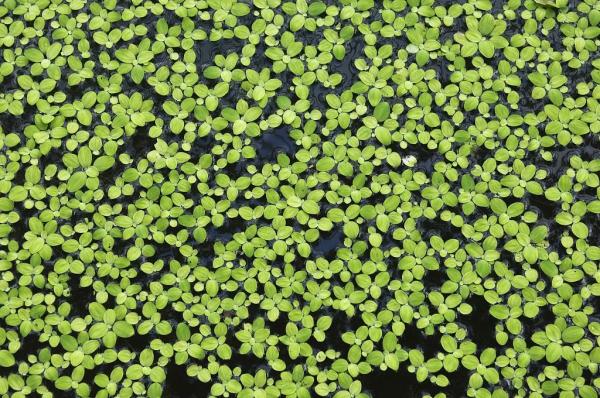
x=267 y=198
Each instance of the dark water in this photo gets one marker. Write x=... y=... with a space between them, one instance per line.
x=179 y=385
x=272 y=143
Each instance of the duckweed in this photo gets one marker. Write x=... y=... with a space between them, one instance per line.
x=275 y=198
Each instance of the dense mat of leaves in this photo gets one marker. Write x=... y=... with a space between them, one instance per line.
x=272 y=198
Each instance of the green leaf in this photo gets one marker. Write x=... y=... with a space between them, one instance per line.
x=580 y=230
x=84 y=117
x=296 y=23
x=572 y=334
x=553 y=352
x=383 y=136
x=7 y=359
x=63 y=383
x=69 y=343
x=564 y=218
x=538 y=79
x=104 y=163
x=553 y=332
x=123 y=329
x=486 y=48
x=321 y=389
x=137 y=74
x=530 y=254
x=77 y=181
x=145 y=57
x=34 y=55
x=499 y=311
x=125 y=55
x=316 y=8
x=209 y=344
x=381 y=111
